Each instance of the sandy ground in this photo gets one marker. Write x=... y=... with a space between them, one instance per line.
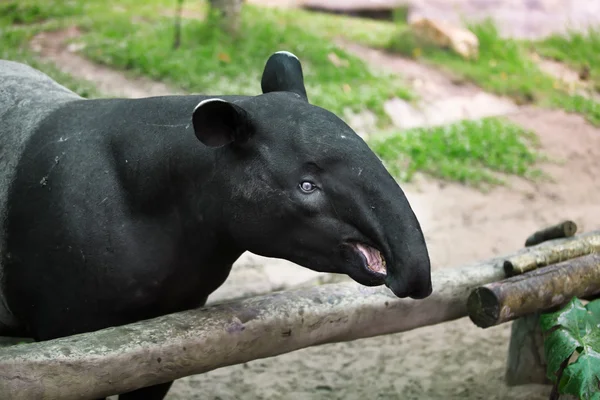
x=450 y=361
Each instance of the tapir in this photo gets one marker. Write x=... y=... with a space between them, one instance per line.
x=118 y=210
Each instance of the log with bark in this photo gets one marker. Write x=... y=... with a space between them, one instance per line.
x=558 y=231
x=542 y=255
x=538 y=290
x=120 y=359
x=526 y=362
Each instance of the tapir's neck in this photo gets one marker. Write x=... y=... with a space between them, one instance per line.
x=165 y=170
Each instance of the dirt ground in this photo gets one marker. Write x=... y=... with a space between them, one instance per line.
x=455 y=360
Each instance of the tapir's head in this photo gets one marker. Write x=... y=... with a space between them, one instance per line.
x=303 y=186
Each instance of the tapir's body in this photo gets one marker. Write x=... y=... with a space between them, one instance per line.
x=75 y=156
x=113 y=211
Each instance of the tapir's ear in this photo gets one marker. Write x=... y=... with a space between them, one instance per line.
x=283 y=73
x=218 y=122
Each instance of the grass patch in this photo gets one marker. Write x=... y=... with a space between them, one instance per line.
x=475 y=153
x=578 y=50
x=212 y=62
x=29 y=12
x=362 y=30
x=15 y=48
x=137 y=37
x=581 y=105
x=504 y=67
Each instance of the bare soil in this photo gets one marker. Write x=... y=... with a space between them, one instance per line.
x=455 y=360
x=52 y=46
x=443 y=98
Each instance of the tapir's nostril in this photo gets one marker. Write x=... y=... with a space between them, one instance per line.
x=414 y=288
x=422 y=291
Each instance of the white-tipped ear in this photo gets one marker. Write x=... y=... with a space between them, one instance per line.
x=203 y=102
x=283 y=73
x=287 y=53
x=218 y=122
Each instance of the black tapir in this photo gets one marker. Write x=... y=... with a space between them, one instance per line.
x=118 y=210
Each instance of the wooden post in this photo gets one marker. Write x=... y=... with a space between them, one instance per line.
x=526 y=359
x=526 y=362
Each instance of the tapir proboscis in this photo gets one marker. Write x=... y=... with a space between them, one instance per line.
x=119 y=210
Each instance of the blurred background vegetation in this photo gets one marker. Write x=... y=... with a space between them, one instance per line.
x=221 y=48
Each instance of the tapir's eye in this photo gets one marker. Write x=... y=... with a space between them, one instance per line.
x=307 y=187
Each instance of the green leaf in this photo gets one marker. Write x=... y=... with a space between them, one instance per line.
x=582 y=378
x=594 y=308
x=591 y=340
x=574 y=328
x=558 y=346
x=568 y=317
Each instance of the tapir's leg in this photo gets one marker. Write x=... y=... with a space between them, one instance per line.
x=156 y=392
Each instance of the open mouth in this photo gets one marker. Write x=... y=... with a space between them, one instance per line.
x=374 y=261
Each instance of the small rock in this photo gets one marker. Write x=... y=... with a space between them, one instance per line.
x=75 y=47
x=446 y=35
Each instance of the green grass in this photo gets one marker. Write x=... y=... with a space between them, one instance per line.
x=29 y=12
x=502 y=66
x=138 y=38
x=362 y=30
x=475 y=153
x=580 y=105
x=505 y=68
x=576 y=49
x=13 y=46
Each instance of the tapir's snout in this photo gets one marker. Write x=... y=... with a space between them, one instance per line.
x=408 y=267
x=417 y=288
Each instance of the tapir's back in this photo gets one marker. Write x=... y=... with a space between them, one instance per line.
x=26 y=97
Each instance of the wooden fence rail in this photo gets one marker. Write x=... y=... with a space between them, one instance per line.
x=124 y=358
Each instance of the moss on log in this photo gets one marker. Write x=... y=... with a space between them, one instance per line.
x=538 y=290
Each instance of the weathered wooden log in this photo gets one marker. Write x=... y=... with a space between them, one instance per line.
x=526 y=359
x=526 y=362
x=545 y=255
x=124 y=358
x=558 y=231
x=538 y=290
